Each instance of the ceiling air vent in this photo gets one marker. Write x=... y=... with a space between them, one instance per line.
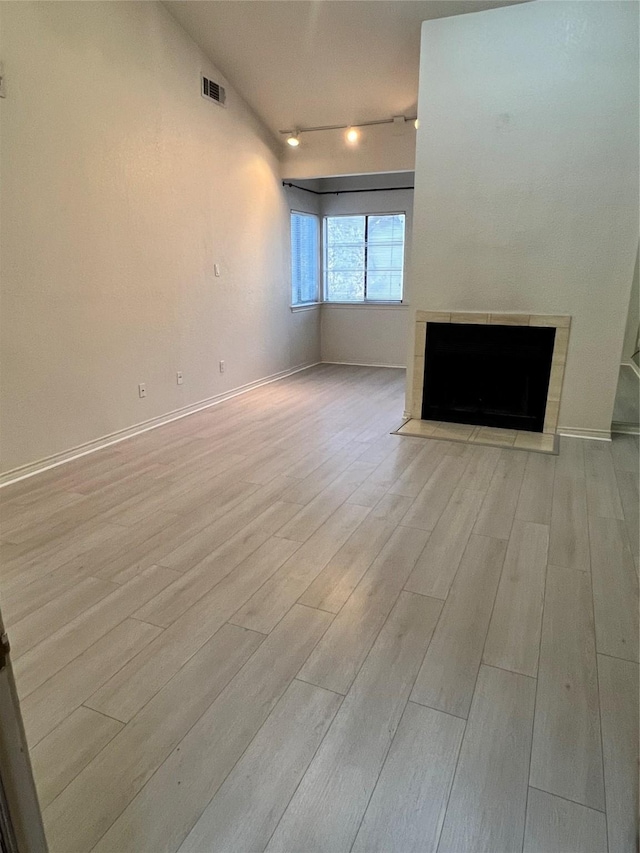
x=213 y=91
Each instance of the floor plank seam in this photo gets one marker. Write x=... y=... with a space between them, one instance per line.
x=148 y=622
x=453 y=781
x=424 y=594
x=382 y=764
x=567 y=800
x=318 y=686
x=317 y=749
x=535 y=699
x=597 y=668
x=101 y=713
x=512 y=671
x=617 y=657
x=432 y=708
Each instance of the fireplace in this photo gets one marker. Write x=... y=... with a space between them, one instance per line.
x=480 y=370
x=488 y=375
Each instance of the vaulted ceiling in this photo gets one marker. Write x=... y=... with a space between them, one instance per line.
x=304 y=63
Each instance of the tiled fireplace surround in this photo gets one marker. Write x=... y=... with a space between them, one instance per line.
x=562 y=326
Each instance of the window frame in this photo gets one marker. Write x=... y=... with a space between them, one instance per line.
x=325 y=247
x=318 y=266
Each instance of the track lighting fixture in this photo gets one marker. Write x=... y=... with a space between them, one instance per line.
x=352 y=131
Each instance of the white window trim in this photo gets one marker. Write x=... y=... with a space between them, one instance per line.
x=369 y=302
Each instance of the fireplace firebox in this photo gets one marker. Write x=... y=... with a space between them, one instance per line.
x=489 y=375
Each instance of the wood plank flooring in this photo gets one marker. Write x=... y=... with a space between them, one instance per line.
x=273 y=625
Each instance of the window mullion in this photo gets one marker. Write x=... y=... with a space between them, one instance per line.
x=366 y=249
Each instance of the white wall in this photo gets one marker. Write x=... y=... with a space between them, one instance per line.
x=121 y=187
x=526 y=193
x=368 y=334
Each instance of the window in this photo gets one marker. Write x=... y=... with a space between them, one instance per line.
x=364 y=258
x=305 y=258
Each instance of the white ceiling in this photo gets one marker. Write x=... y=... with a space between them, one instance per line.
x=304 y=63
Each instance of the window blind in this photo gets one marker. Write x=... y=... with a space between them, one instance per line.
x=304 y=258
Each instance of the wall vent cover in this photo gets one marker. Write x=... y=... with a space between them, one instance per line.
x=213 y=91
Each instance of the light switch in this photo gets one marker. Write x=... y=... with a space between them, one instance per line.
x=216 y=270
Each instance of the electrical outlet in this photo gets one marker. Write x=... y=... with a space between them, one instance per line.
x=222 y=367
x=179 y=378
x=142 y=390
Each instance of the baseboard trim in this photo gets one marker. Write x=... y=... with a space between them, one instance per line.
x=591 y=434
x=33 y=468
x=633 y=367
x=366 y=364
x=625 y=429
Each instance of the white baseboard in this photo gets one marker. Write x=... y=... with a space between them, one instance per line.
x=33 y=468
x=53 y=461
x=366 y=364
x=592 y=434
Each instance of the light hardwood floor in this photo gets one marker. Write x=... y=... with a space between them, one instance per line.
x=273 y=625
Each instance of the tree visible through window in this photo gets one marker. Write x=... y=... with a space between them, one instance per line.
x=364 y=258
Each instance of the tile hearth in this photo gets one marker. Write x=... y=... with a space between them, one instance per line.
x=538 y=442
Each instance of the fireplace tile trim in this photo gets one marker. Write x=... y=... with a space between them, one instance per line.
x=561 y=323
x=538 y=442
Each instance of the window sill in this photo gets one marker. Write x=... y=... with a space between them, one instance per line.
x=378 y=305
x=306 y=306
x=311 y=306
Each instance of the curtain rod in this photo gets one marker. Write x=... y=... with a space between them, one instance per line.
x=342 y=192
x=396 y=119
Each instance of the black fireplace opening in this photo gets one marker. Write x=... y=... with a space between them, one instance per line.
x=496 y=376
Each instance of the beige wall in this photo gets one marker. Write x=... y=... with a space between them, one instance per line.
x=121 y=187
x=371 y=334
x=526 y=194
